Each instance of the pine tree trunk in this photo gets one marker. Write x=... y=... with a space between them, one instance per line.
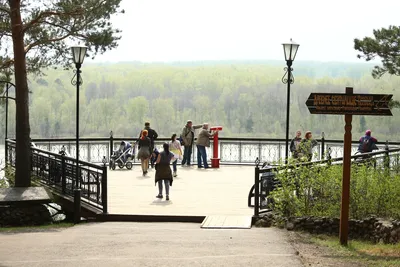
x=23 y=149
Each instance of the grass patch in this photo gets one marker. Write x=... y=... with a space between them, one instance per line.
x=382 y=255
x=38 y=228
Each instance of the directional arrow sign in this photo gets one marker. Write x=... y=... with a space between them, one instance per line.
x=355 y=104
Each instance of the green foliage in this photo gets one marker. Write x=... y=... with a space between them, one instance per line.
x=3 y=183
x=316 y=191
x=385 y=45
x=9 y=177
x=50 y=27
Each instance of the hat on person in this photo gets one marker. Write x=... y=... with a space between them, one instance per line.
x=368 y=132
x=189 y=121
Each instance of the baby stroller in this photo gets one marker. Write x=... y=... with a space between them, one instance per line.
x=123 y=156
x=153 y=157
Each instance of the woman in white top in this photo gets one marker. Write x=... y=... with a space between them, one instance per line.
x=175 y=148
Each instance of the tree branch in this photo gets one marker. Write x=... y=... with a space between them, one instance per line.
x=46 y=14
x=37 y=43
x=65 y=29
x=6 y=64
x=5 y=10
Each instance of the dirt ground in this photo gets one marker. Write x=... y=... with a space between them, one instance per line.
x=312 y=254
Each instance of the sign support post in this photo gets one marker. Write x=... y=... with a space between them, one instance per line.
x=344 y=210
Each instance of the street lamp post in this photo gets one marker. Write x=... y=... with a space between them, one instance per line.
x=78 y=55
x=290 y=50
x=6 y=97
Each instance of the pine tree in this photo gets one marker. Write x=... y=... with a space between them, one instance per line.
x=40 y=31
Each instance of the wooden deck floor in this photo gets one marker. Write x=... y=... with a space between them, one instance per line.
x=195 y=191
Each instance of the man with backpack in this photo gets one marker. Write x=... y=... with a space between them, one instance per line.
x=187 y=138
x=367 y=143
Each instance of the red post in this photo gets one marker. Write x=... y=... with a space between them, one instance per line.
x=344 y=211
x=215 y=159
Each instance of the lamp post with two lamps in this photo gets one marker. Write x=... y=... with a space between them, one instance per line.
x=78 y=55
x=290 y=50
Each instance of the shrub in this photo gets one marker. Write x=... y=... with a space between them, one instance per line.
x=316 y=191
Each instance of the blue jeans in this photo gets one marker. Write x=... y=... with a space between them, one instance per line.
x=160 y=186
x=201 y=155
x=174 y=165
x=187 y=153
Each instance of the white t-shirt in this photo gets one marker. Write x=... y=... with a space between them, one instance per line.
x=174 y=147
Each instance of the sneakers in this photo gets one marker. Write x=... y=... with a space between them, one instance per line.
x=167 y=198
x=175 y=174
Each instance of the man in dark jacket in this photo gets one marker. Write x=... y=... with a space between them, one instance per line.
x=294 y=145
x=152 y=134
x=188 y=139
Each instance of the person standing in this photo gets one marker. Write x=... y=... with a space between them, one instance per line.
x=175 y=148
x=294 y=145
x=203 y=141
x=188 y=139
x=306 y=146
x=163 y=171
x=144 y=151
x=152 y=135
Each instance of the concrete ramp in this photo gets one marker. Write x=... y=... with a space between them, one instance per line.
x=227 y=222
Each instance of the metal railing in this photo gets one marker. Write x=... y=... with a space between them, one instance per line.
x=58 y=172
x=230 y=150
x=388 y=159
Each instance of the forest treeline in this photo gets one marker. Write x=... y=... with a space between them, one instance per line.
x=246 y=98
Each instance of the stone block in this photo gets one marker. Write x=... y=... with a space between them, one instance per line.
x=24 y=195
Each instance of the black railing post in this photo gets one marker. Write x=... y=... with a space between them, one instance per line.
x=104 y=200
x=256 y=191
x=63 y=176
x=329 y=156
x=387 y=158
x=77 y=206
x=31 y=156
x=111 y=145
x=6 y=151
x=322 y=146
x=88 y=152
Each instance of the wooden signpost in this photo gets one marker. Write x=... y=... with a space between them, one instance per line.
x=348 y=104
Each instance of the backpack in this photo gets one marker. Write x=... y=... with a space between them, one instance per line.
x=180 y=139
x=366 y=145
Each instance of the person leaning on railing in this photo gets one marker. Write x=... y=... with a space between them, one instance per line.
x=367 y=143
x=203 y=141
x=188 y=139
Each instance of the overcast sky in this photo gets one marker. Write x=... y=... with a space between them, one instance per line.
x=189 y=30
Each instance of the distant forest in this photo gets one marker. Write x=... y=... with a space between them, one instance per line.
x=247 y=98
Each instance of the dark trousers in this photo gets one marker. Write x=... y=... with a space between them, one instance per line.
x=201 y=155
x=187 y=153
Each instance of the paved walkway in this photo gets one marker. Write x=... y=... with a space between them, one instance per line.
x=201 y=192
x=145 y=244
